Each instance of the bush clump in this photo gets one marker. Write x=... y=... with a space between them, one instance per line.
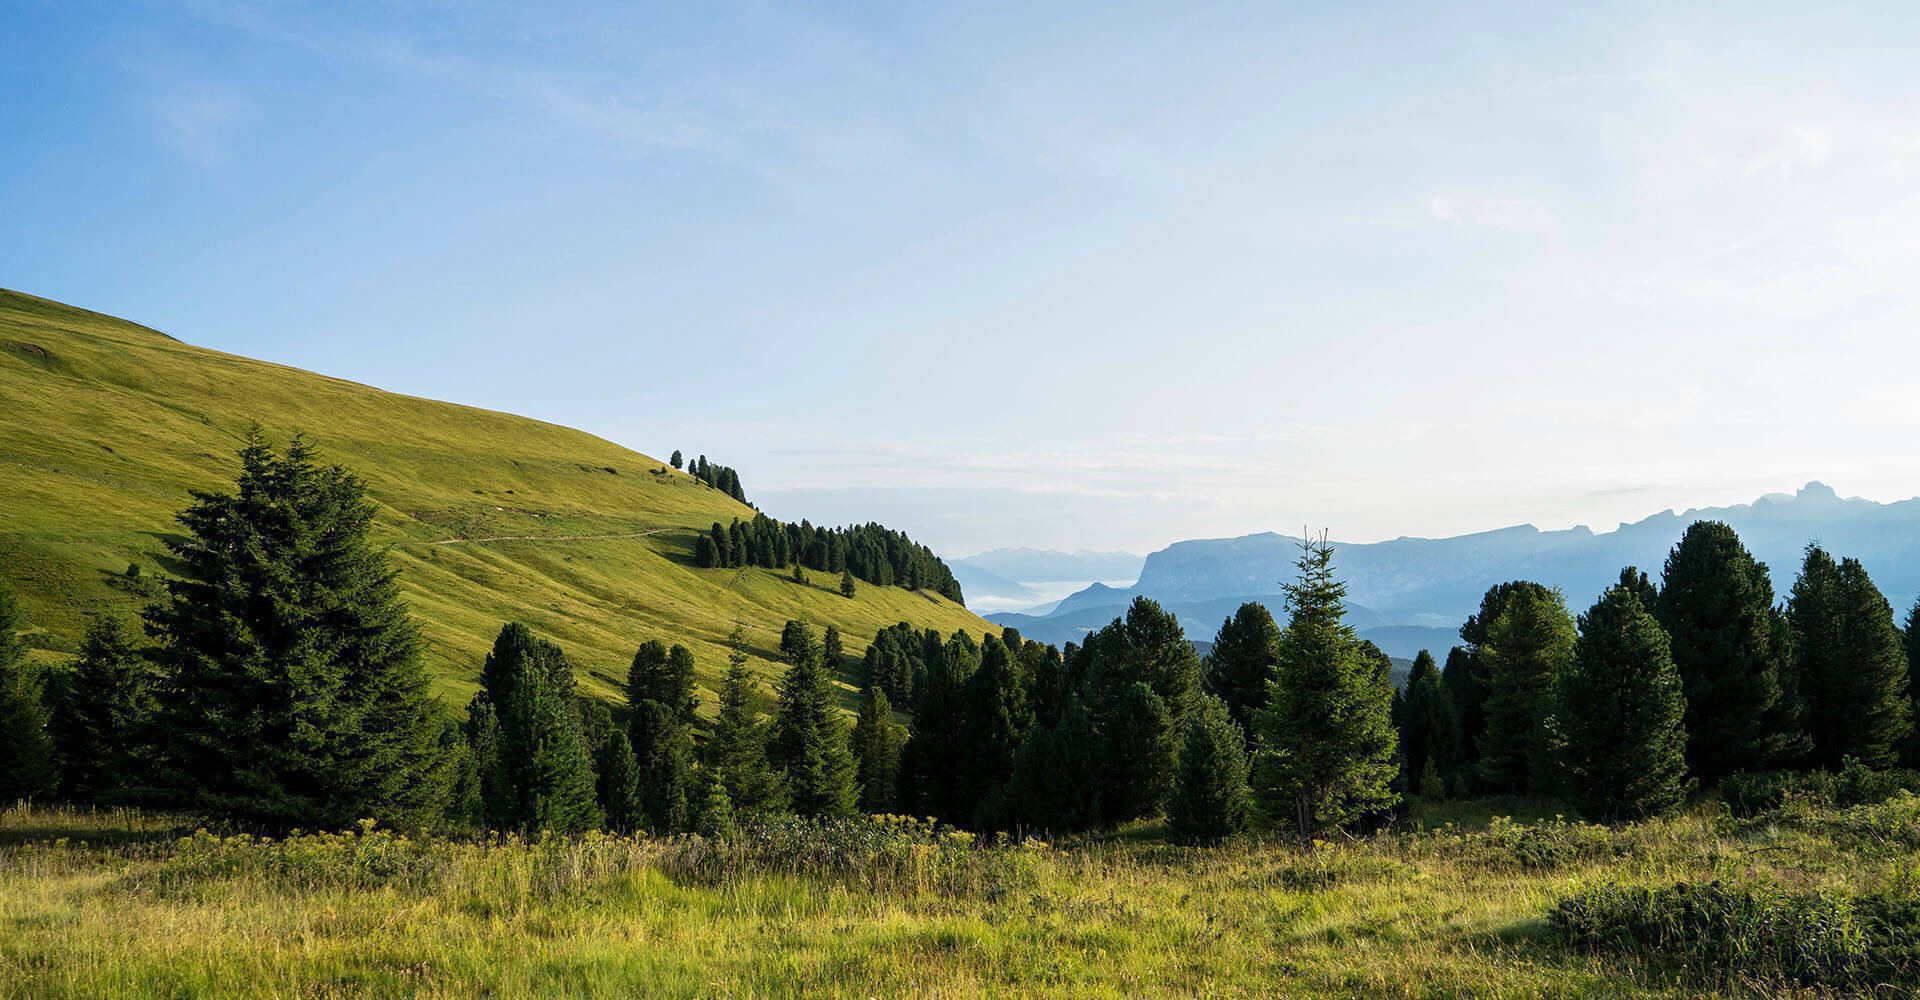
x=1756 y=793
x=1509 y=846
x=878 y=853
x=1720 y=930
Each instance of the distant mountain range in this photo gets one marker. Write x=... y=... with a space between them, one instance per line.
x=1039 y=565
x=1412 y=593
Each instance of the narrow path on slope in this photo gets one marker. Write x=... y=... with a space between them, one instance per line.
x=549 y=538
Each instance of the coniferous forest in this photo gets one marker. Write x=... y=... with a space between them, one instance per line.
x=274 y=686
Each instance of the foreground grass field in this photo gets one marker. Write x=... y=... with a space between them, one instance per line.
x=110 y=905
x=105 y=427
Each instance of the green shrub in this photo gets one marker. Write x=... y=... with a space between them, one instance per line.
x=1756 y=793
x=1508 y=846
x=1724 y=931
x=881 y=854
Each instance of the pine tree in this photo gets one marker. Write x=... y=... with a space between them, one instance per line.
x=1140 y=749
x=706 y=555
x=1526 y=646
x=1910 y=757
x=940 y=753
x=102 y=725
x=1473 y=689
x=1716 y=605
x=1457 y=679
x=877 y=742
x=713 y=809
x=526 y=735
x=1241 y=663
x=1430 y=730
x=663 y=751
x=663 y=675
x=619 y=784
x=26 y=753
x=847 y=588
x=809 y=744
x=737 y=750
x=1211 y=799
x=997 y=719
x=676 y=460
x=1056 y=775
x=1851 y=664
x=295 y=695
x=832 y=650
x=1325 y=743
x=1618 y=711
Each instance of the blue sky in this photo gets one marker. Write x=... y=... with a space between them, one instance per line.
x=1068 y=276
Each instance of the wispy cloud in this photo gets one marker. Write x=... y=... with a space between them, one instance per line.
x=198 y=121
x=1507 y=215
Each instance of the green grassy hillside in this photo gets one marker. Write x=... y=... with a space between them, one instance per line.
x=106 y=425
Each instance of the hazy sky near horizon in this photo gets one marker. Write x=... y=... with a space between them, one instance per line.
x=1062 y=275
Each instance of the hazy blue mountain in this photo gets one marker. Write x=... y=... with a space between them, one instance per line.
x=1031 y=565
x=1416 y=591
x=985 y=586
x=1202 y=619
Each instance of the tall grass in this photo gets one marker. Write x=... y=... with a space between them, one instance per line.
x=106 y=905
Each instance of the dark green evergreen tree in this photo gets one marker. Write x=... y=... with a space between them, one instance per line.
x=877 y=743
x=26 y=753
x=663 y=675
x=676 y=461
x=939 y=752
x=1457 y=679
x=619 y=784
x=706 y=555
x=1241 y=662
x=1473 y=690
x=1618 y=711
x=294 y=691
x=663 y=750
x=1526 y=646
x=1430 y=730
x=1140 y=750
x=536 y=774
x=809 y=744
x=713 y=809
x=1056 y=775
x=1326 y=749
x=1211 y=799
x=737 y=750
x=1716 y=605
x=847 y=588
x=1910 y=634
x=832 y=650
x=103 y=723
x=997 y=719
x=1852 y=664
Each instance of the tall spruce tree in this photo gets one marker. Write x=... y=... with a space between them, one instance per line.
x=1618 y=710
x=1525 y=647
x=1851 y=664
x=676 y=461
x=26 y=752
x=809 y=744
x=103 y=724
x=618 y=784
x=1138 y=729
x=1474 y=689
x=1211 y=799
x=1241 y=663
x=877 y=743
x=662 y=746
x=1430 y=732
x=1056 y=775
x=997 y=719
x=737 y=750
x=1716 y=605
x=1457 y=679
x=940 y=754
x=294 y=691
x=1325 y=745
x=536 y=774
x=1910 y=634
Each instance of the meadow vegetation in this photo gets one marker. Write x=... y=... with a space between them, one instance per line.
x=1457 y=901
